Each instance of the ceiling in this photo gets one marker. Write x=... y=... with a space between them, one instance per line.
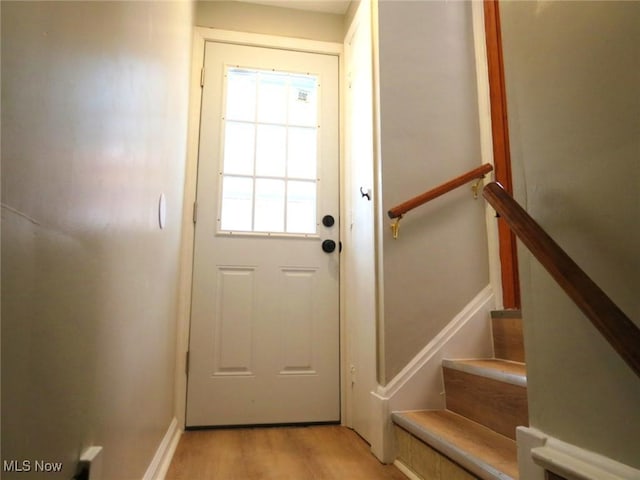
x=338 y=7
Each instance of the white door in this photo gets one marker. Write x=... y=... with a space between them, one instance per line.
x=264 y=339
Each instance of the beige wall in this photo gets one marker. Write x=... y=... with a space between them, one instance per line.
x=286 y=22
x=94 y=115
x=572 y=81
x=429 y=134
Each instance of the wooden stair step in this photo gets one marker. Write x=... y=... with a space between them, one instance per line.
x=483 y=452
x=506 y=371
x=488 y=391
x=508 y=339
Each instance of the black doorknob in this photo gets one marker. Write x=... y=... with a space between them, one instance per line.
x=328 y=246
x=328 y=220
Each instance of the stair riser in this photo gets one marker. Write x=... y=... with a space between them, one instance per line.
x=426 y=462
x=508 y=342
x=497 y=405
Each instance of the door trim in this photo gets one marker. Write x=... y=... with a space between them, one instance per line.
x=200 y=36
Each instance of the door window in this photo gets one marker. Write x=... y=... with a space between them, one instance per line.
x=269 y=152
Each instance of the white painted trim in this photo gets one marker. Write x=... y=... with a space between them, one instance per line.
x=486 y=143
x=188 y=230
x=91 y=458
x=419 y=385
x=380 y=215
x=382 y=439
x=410 y=474
x=362 y=10
x=527 y=439
x=162 y=459
x=272 y=41
x=345 y=352
x=538 y=452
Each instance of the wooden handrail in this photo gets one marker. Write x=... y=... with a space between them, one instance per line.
x=401 y=209
x=621 y=333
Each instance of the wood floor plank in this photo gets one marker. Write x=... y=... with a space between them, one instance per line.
x=287 y=453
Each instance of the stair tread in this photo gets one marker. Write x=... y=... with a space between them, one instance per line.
x=479 y=449
x=502 y=370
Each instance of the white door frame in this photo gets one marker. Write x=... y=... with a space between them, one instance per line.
x=200 y=37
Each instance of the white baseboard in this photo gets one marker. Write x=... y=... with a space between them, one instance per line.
x=162 y=459
x=419 y=385
x=538 y=452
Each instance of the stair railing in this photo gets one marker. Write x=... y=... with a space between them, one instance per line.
x=399 y=210
x=618 y=329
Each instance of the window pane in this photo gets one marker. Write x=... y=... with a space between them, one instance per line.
x=241 y=94
x=301 y=207
x=303 y=100
x=239 y=145
x=237 y=201
x=302 y=152
x=272 y=98
x=271 y=151
x=270 y=135
x=269 y=206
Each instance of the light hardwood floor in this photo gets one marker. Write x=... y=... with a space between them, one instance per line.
x=287 y=453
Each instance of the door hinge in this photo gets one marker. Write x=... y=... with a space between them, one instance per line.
x=186 y=365
x=195 y=212
x=202 y=77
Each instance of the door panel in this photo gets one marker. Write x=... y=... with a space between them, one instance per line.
x=234 y=321
x=264 y=340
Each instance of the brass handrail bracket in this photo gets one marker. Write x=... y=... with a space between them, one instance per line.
x=395 y=227
x=399 y=210
x=475 y=188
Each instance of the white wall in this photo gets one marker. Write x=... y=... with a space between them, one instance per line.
x=572 y=81
x=429 y=134
x=94 y=117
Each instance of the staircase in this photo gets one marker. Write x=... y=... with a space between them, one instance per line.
x=486 y=399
